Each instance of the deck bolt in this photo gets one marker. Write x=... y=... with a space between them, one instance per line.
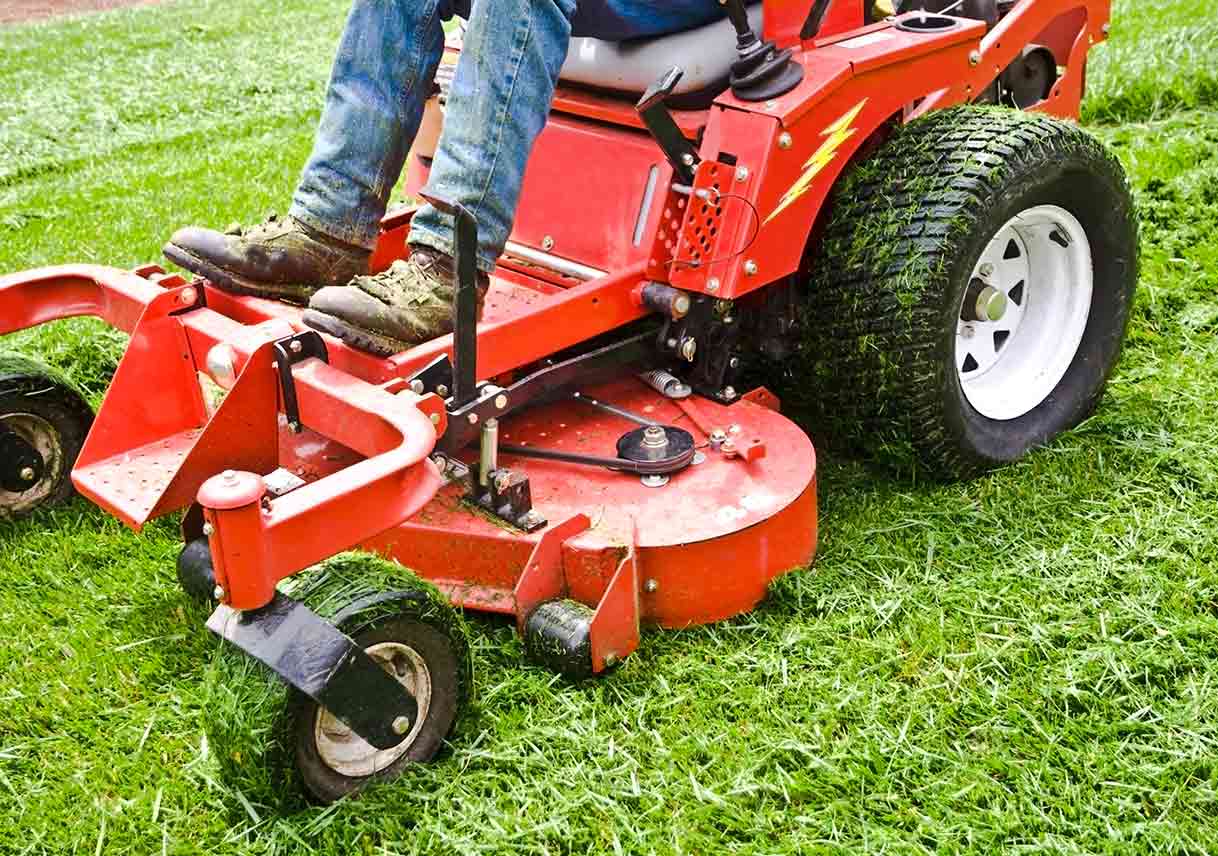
x=547 y=243
x=687 y=159
x=654 y=481
x=742 y=173
x=295 y=346
x=651 y=586
x=729 y=392
x=611 y=660
x=188 y=296
x=435 y=419
x=501 y=401
x=717 y=437
x=401 y=725
x=784 y=140
x=27 y=474
x=974 y=58
x=750 y=267
x=442 y=390
x=712 y=284
x=416 y=386
x=208 y=529
x=734 y=363
x=1107 y=28
x=218 y=593
x=472 y=418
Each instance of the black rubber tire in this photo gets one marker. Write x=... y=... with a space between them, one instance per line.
x=196 y=575
x=876 y=367
x=558 y=635
x=375 y=601
x=28 y=388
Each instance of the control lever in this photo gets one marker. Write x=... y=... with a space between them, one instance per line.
x=761 y=71
x=679 y=151
x=465 y=300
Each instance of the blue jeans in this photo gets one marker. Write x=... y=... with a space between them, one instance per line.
x=499 y=102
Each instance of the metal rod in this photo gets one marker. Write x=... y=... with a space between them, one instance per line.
x=490 y=451
x=616 y=411
x=566 y=267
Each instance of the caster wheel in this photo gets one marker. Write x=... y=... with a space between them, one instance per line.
x=195 y=572
x=558 y=635
x=417 y=638
x=43 y=425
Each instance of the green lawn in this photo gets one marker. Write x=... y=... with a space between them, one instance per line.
x=1026 y=663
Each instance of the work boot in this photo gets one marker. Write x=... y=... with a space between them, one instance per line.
x=280 y=259
x=406 y=305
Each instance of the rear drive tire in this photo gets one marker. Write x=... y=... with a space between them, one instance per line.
x=970 y=294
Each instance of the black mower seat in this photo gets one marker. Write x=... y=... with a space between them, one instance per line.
x=705 y=53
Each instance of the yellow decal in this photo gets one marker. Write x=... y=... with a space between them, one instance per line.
x=836 y=134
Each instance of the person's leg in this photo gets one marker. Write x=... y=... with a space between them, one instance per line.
x=499 y=102
x=500 y=99
x=484 y=172
x=381 y=77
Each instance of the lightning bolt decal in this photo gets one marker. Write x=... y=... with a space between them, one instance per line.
x=835 y=135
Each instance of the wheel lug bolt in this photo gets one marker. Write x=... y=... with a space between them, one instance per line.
x=27 y=474
x=401 y=725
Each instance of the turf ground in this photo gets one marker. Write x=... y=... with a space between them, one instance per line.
x=1023 y=664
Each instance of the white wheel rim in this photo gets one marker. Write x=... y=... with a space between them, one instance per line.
x=42 y=435
x=1041 y=262
x=348 y=754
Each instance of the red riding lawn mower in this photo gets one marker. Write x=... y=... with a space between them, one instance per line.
x=870 y=209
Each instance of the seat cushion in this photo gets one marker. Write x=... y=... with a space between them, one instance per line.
x=706 y=54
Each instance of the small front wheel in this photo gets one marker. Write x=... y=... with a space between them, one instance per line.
x=417 y=638
x=43 y=425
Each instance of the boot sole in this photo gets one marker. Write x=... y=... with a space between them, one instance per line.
x=230 y=282
x=363 y=340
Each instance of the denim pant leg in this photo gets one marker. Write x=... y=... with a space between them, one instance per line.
x=499 y=102
x=382 y=75
x=500 y=99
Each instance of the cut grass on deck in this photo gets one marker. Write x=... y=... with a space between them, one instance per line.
x=1022 y=664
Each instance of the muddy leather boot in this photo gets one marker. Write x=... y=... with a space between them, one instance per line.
x=280 y=259
x=406 y=305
